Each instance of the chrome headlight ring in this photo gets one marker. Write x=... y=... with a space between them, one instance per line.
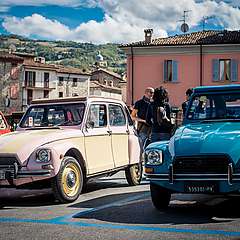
x=154 y=157
x=43 y=155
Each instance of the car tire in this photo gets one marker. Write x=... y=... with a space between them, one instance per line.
x=134 y=174
x=160 y=197
x=68 y=183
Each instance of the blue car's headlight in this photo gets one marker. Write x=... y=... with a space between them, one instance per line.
x=154 y=157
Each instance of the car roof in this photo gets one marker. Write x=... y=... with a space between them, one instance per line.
x=75 y=99
x=226 y=88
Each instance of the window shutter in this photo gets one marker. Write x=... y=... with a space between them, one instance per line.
x=165 y=70
x=174 y=71
x=215 y=70
x=234 y=70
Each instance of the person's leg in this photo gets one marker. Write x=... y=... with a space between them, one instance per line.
x=142 y=139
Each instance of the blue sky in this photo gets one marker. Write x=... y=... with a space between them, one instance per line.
x=120 y=21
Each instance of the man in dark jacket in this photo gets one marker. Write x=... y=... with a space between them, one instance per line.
x=139 y=115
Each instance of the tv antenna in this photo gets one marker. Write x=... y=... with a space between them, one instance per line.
x=184 y=26
x=204 y=21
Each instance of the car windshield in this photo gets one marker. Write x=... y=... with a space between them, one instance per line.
x=214 y=106
x=53 y=115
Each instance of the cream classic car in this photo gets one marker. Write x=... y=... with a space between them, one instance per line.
x=62 y=143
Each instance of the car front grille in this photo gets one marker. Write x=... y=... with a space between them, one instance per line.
x=10 y=166
x=208 y=164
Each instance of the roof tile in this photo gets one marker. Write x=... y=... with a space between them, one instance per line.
x=195 y=38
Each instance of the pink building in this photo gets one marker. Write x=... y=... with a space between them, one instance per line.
x=181 y=62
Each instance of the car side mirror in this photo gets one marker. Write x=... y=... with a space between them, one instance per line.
x=90 y=124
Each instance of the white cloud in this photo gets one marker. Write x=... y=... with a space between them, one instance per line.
x=36 y=25
x=125 y=20
x=69 y=3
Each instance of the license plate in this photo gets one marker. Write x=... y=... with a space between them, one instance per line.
x=200 y=188
x=2 y=175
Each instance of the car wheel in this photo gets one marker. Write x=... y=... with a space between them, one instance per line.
x=134 y=174
x=160 y=196
x=68 y=183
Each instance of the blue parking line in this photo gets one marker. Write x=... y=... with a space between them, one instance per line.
x=125 y=227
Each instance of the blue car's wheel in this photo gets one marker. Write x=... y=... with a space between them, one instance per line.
x=160 y=196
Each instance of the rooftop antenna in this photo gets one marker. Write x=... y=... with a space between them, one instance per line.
x=184 y=26
x=204 y=20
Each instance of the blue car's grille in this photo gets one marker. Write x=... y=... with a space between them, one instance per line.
x=201 y=164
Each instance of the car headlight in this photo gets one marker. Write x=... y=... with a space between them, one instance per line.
x=43 y=155
x=154 y=157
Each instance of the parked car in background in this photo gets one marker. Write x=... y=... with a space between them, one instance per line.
x=203 y=156
x=62 y=143
x=4 y=127
x=13 y=119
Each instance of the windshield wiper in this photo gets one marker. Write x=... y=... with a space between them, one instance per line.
x=68 y=123
x=41 y=128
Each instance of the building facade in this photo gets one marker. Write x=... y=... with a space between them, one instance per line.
x=23 y=78
x=11 y=91
x=182 y=62
x=107 y=84
x=42 y=80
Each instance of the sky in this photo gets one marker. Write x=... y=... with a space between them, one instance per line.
x=113 y=21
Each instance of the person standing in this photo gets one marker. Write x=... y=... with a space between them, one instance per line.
x=159 y=116
x=185 y=103
x=139 y=115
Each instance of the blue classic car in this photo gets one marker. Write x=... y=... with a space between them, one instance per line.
x=203 y=156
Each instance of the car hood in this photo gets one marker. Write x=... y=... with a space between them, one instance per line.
x=23 y=143
x=207 y=138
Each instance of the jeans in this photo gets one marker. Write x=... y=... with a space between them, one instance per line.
x=156 y=136
x=142 y=139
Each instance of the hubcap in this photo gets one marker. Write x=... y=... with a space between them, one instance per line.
x=71 y=179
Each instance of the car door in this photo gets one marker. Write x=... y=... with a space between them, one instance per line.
x=98 y=139
x=119 y=132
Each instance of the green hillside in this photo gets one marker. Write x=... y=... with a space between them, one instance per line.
x=69 y=53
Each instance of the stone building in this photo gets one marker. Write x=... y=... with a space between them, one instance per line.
x=108 y=80
x=11 y=91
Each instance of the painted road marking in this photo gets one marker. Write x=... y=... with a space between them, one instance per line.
x=66 y=220
x=125 y=227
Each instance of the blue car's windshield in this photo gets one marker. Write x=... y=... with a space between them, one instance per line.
x=214 y=106
x=53 y=115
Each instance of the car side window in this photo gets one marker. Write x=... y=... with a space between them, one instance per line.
x=116 y=115
x=130 y=121
x=97 y=116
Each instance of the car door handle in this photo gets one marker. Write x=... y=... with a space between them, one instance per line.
x=109 y=132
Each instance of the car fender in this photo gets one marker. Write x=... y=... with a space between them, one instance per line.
x=63 y=148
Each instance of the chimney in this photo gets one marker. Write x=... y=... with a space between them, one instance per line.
x=148 y=35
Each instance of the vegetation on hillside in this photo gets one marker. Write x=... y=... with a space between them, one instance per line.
x=69 y=53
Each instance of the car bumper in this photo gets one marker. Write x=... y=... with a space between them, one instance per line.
x=225 y=183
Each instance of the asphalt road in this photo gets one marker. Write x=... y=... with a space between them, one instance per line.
x=110 y=209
